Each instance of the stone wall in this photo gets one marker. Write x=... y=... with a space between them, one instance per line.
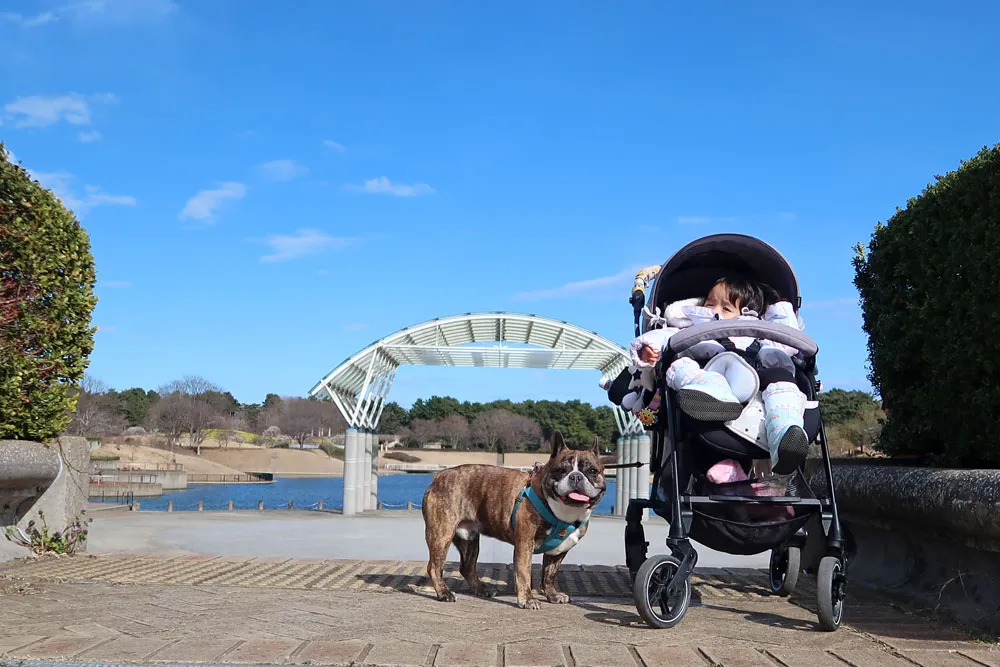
x=929 y=537
x=52 y=478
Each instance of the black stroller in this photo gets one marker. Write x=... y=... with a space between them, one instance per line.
x=729 y=517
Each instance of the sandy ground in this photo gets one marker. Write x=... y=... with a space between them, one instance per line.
x=288 y=462
x=137 y=454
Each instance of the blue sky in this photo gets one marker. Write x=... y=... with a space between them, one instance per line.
x=269 y=186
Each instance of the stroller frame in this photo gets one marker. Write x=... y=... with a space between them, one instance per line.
x=661 y=583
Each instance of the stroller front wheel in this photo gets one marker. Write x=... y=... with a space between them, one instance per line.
x=659 y=606
x=830 y=584
x=786 y=565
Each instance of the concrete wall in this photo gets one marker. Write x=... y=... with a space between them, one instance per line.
x=929 y=537
x=61 y=501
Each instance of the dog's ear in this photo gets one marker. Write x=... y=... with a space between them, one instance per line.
x=597 y=447
x=558 y=444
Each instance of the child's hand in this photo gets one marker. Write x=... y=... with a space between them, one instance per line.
x=648 y=354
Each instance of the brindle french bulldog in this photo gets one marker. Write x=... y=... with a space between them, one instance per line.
x=545 y=511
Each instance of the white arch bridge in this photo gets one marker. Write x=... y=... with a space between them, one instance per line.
x=360 y=385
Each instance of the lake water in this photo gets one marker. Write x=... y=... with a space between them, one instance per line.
x=394 y=492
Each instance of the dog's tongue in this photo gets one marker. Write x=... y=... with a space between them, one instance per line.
x=578 y=497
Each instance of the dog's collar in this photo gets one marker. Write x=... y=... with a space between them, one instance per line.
x=558 y=530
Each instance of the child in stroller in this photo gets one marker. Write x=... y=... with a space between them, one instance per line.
x=700 y=417
x=713 y=381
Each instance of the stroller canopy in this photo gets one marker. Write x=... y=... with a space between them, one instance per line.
x=693 y=269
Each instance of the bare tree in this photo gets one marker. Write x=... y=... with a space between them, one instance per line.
x=97 y=410
x=502 y=430
x=189 y=411
x=169 y=416
x=455 y=429
x=270 y=436
x=424 y=430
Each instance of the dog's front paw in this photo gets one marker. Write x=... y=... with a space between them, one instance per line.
x=485 y=591
x=557 y=598
x=447 y=596
x=529 y=604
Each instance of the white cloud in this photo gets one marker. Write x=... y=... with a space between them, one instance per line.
x=334 y=145
x=203 y=205
x=28 y=21
x=621 y=280
x=303 y=242
x=43 y=111
x=116 y=283
x=60 y=184
x=281 y=170
x=383 y=186
x=704 y=219
x=120 y=12
x=89 y=137
x=355 y=327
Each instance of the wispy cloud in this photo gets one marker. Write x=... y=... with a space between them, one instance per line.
x=357 y=326
x=120 y=12
x=303 y=242
x=43 y=111
x=383 y=186
x=89 y=137
x=620 y=280
x=116 y=283
x=61 y=185
x=28 y=21
x=203 y=205
x=281 y=170
x=649 y=229
x=704 y=219
x=102 y=12
x=334 y=145
x=720 y=219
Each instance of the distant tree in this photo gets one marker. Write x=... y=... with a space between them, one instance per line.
x=190 y=407
x=393 y=419
x=455 y=429
x=135 y=403
x=423 y=430
x=301 y=418
x=840 y=406
x=98 y=410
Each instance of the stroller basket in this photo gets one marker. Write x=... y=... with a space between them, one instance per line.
x=748 y=528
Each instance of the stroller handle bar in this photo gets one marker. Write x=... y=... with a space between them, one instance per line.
x=777 y=333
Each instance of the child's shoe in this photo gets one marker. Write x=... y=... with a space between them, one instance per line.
x=703 y=395
x=785 y=405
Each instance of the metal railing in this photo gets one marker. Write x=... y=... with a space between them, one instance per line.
x=244 y=478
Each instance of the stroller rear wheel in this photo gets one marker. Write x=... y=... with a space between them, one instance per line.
x=786 y=564
x=657 y=605
x=830 y=584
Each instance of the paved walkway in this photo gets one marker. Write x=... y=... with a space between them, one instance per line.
x=214 y=609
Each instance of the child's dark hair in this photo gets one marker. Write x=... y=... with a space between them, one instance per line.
x=746 y=293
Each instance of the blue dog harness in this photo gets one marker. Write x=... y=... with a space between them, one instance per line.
x=559 y=530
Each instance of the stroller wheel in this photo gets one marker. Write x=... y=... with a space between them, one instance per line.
x=830 y=584
x=784 y=571
x=659 y=607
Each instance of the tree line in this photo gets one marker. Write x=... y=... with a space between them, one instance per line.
x=190 y=408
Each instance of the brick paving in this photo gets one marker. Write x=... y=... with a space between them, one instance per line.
x=143 y=609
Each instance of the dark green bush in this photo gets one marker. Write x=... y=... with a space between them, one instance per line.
x=928 y=285
x=46 y=298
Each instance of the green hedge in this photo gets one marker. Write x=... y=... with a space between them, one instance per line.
x=46 y=298
x=928 y=284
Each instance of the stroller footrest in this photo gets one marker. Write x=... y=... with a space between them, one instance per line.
x=755 y=500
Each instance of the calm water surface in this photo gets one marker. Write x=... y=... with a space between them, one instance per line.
x=394 y=491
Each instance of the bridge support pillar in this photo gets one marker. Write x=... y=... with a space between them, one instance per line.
x=352 y=442
x=365 y=470
x=620 y=477
x=361 y=488
x=373 y=473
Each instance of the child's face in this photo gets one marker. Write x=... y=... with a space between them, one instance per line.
x=718 y=301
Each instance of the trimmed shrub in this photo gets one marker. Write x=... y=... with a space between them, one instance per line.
x=928 y=284
x=46 y=299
